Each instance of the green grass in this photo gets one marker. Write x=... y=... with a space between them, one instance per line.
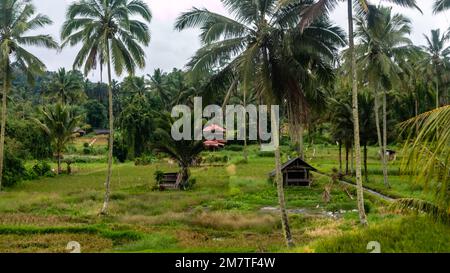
x=406 y=235
x=223 y=213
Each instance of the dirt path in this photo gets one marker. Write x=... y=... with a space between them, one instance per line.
x=373 y=192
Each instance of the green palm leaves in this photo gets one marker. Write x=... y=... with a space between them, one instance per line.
x=17 y=18
x=59 y=122
x=428 y=158
x=67 y=87
x=441 y=5
x=108 y=28
x=109 y=34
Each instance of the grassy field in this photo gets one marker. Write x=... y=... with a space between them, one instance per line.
x=232 y=208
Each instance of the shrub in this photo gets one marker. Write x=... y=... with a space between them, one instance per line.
x=216 y=159
x=266 y=154
x=189 y=184
x=87 y=150
x=14 y=171
x=159 y=176
x=42 y=168
x=145 y=160
x=234 y=148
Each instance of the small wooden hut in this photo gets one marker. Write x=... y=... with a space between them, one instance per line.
x=296 y=172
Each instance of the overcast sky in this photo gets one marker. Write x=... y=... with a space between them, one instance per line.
x=171 y=48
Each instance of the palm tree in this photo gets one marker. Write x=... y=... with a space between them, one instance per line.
x=383 y=45
x=264 y=47
x=17 y=18
x=59 y=123
x=362 y=6
x=427 y=158
x=158 y=85
x=438 y=57
x=110 y=34
x=184 y=152
x=67 y=86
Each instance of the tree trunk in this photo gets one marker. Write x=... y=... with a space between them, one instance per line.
x=3 y=122
x=279 y=182
x=340 y=156
x=416 y=112
x=366 y=172
x=346 y=159
x=301 y=142
x=437 y=92
x=380 y=139
x=58 y=154
x=104 y=210
x=385 y=158
x=360 y=190
x=245 y=122
x=352 y=160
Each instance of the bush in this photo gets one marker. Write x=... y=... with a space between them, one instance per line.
x=145 y=160
x=120 y=150
x=189 y=184
x=234 y=148
x=159 y=176
x=266 y=154
x=216 y=159
x=42 y=168
x=14 y=171
x=87 y=150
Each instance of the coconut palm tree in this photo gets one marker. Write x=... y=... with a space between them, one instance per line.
x=427 y=158
x=17 y=19
x=264 y=47
x=438 y=57
x=67 y=87
x=59 y=123
x=158 y=85
x=362 y=6
x=110 y=34
x=384 y=43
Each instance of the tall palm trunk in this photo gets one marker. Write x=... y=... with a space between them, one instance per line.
x=366 y=172
x=359 y=187
x=111 y=136
x=3 y=122
x=58 y=154
x=279 y=182
x=346 y=159
x=380 y=139
x=385 y=158
x=437 y=92
x=302 y=142
x=352 y=160
x=340 y=156
x=245 y=122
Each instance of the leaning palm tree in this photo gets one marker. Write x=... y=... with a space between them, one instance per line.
x=427 y=158
x=266 y=51
x=362 y=6
x=384 y=43
x=17 y=19
x=438 y=57
x=59 y=123
x=110 y=34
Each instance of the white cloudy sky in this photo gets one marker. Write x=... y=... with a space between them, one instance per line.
x=170 y=48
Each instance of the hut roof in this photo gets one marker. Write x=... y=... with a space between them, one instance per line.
x=293 y=161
